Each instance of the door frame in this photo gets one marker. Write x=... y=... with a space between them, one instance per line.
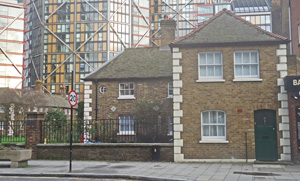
x=275 y=129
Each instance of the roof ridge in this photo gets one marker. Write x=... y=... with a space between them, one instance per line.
x=205 y=23
x=202 y=25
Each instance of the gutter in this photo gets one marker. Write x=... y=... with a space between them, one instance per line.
x=254 y=43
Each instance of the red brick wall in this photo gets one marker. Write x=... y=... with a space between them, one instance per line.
x=293 y=103
x=295 y=22
x=293 y=70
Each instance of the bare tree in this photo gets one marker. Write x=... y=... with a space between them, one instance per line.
x=15 y=104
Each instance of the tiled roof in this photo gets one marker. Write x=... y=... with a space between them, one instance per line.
x=226 y=27
x=136 y=63
x=55 y=101
x=36 y=98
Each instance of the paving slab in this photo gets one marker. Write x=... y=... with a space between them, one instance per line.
x=156 y=170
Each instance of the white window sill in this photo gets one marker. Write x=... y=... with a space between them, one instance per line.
x=247 y=80
x=214 y=141
x=170 y=97
x=126 y=134
x=210 y=80
x=126 y=97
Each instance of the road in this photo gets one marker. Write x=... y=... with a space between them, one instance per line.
x=14 y=178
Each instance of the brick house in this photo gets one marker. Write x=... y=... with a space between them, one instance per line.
x=135 y=76
x=230 y=103
x=286 y=22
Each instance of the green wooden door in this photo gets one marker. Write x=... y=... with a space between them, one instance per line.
x=265 y=135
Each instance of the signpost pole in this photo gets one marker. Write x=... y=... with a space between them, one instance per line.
x=71 y=129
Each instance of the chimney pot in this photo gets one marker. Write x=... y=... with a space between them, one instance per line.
x=166 y=17
x=63 y=92
x=39 y=86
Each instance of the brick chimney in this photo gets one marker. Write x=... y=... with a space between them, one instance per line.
x=39 y=86
x=62 y=91
x=167 y=28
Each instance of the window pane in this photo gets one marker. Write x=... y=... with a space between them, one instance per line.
x=122 y=86
x=132 y=92
x=205 y=117
x=238 y=57
x=131 y=123
x=122 y=92
x=246 y=70
x=221 y=130
x=254 y=70
x=205 y=130
x=126 y=86
x=246 y=57
x=213 y=131
x=210 y=58
x=131 y=86
x=238 y=70
x=213 y=117
x=218 y=70
x=202 y=58
x=218 y=58
x=253 y=57
x=210 y=70
x=202 y=71
x=268 y=19
x=263 y=19
x=221 y=118
x=126 y=92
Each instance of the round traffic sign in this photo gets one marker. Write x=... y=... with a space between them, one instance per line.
x=73 y=98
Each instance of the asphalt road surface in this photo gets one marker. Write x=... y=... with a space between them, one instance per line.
x=53 y=179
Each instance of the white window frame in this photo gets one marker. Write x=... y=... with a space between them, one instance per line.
x=170 y=126
x=170 y=89
x=210 y=78
x=1 y=109
x=130 y=131
x=1 y=125
x=213 y=138
x=127 y=96
x=247 y=77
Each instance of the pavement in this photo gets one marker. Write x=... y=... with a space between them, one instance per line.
x=154 y=170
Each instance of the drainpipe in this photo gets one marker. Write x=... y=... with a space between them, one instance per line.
x=96 y=106
x=290 y=29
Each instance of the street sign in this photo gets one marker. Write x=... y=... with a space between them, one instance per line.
x=73 y=98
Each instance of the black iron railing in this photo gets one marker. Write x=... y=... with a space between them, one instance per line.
x=107 y=131
x=12 y=131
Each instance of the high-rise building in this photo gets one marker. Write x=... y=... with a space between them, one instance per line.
x=79 y=35
x=65 y=36
x=11 y=43
x=257 y=12
x=189 y=13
